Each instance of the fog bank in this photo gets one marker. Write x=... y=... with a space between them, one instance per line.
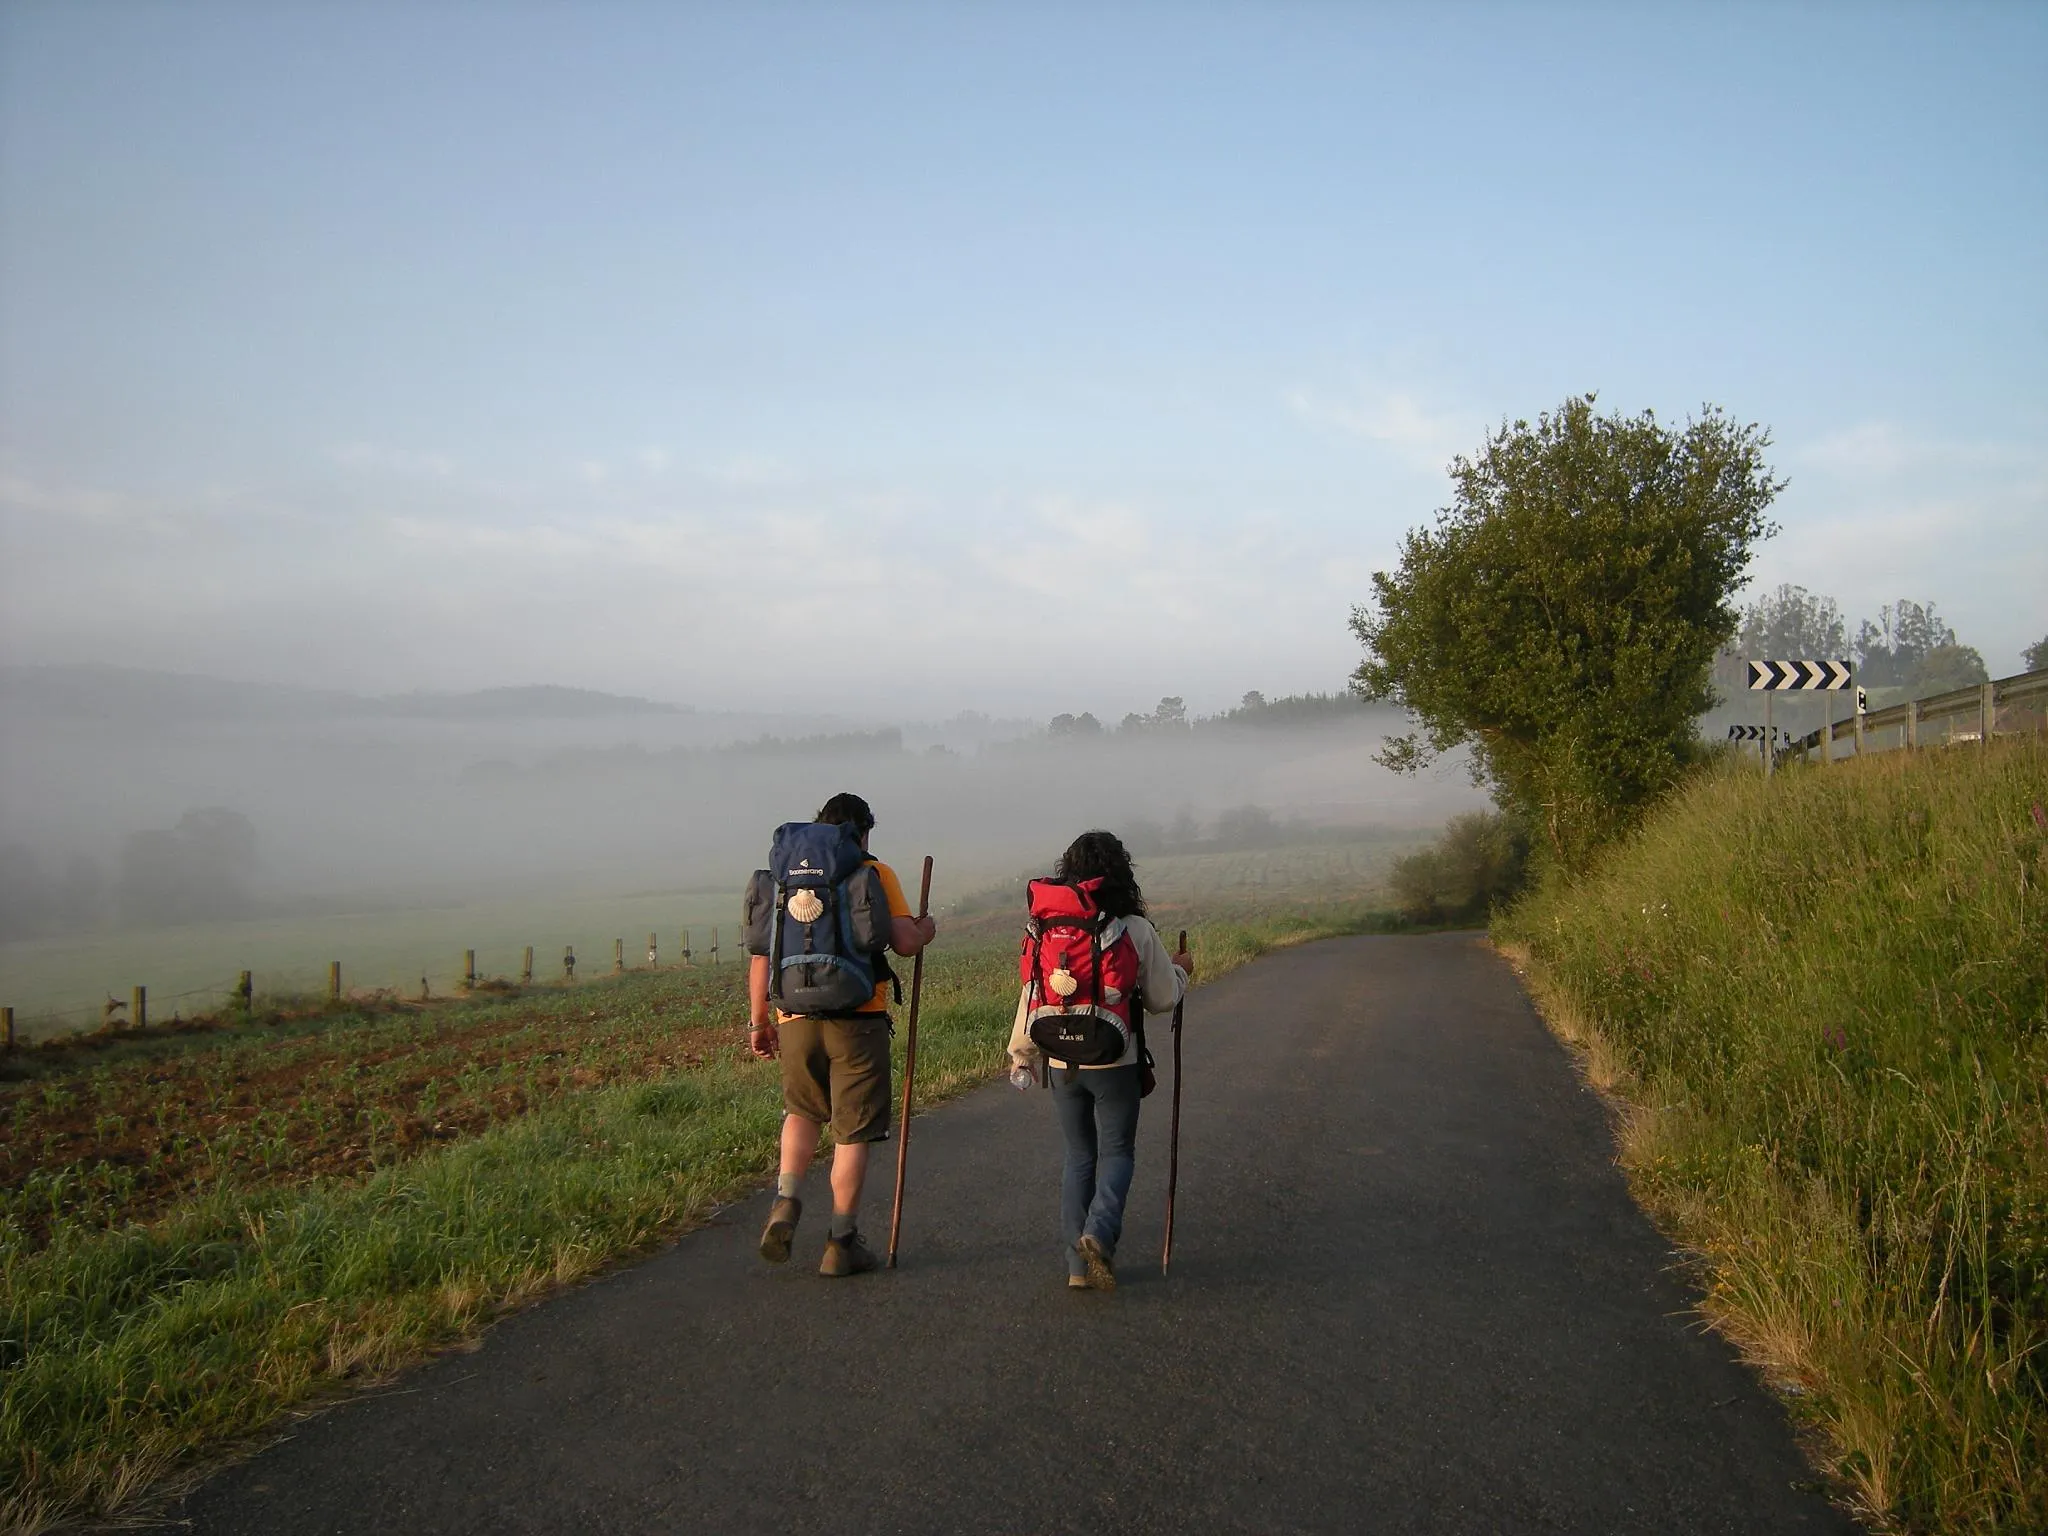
x=135 y=798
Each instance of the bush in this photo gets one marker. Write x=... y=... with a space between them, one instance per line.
x=1479 y=865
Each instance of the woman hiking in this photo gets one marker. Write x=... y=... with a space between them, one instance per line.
x=1092 y=965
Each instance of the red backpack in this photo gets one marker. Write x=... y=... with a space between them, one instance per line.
x=1080 y=972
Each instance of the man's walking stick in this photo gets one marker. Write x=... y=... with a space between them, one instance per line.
x=1173 y=1145
x=924 y=903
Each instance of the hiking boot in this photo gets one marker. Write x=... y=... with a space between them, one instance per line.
x=1101 y=1274
x=1077 y=1282
x=781 y=1229
x=848 y=1255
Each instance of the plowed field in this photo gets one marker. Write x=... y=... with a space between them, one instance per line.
x=100 y=1143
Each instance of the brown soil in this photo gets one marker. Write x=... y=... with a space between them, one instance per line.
x=142 y=1137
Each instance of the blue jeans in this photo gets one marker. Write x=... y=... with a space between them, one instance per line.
x=1099 y=1114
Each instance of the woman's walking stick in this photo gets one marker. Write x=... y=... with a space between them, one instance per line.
x=1173 y=1145
x=924 y=903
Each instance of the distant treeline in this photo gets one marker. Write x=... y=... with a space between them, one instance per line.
x=1908 y=649
x=1255 y=711
x=1169 y=721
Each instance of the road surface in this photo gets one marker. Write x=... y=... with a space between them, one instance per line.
x=1409 y=1293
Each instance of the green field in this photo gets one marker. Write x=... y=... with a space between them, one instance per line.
x=1824 y=999
x=57 y=985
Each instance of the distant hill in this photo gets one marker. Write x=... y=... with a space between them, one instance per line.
x=537 y=702
x=128 y=693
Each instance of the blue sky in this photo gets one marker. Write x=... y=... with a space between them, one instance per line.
x=456 y=345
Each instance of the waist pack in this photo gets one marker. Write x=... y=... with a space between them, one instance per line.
x=1080 y=972
x=820 y=914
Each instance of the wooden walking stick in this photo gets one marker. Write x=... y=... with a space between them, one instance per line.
x=924 y=904
x=1173 y=1144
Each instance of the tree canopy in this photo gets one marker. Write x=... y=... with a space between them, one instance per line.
x=1914 y=648
x=1562 y=616
x=1793 y=624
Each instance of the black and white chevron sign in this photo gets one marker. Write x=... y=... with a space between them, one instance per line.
x=1779 y=676
x=1752 y=732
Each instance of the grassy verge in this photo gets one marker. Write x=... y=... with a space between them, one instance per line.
x=504 y=1147
x=1823 y=1003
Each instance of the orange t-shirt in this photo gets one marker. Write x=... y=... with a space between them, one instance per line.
x=898 y=907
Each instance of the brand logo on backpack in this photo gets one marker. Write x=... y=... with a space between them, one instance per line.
x=1080 y=972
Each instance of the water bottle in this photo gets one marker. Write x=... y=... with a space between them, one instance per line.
x=1022 y=1078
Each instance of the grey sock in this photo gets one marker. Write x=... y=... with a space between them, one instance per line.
x=843 y=1223
x=787 y=1184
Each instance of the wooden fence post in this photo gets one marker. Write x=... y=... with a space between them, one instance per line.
x=334 y=981
x=1912 y=722
x=138 y=1008
x=652 y=957
x=245 y=991
x=526 y=967
x=618 y=956
x=6 y=1029
x=686 y=946
x=569 y=962
x=714 y=946
x=1989 y=710
x=469 y=967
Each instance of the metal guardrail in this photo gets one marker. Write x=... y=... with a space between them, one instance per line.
x=2008 y=706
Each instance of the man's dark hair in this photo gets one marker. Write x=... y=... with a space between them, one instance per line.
x=1100 y=855
x=847 y=810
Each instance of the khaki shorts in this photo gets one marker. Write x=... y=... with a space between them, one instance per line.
x=836 y=1071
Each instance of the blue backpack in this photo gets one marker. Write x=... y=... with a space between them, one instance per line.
x=821 y=916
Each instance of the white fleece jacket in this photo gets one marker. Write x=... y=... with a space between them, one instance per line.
x=1161 y=984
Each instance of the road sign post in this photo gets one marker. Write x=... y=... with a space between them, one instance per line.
x=1769 y=677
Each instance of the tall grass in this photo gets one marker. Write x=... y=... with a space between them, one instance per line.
x=1825 y=1001
x=125 y=1352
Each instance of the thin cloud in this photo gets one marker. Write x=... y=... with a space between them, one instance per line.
x=1883 y=449
x=1421 y=435
x=381 y=458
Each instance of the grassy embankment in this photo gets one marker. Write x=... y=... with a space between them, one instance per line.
x=204 y=1229
x=1823 y=1003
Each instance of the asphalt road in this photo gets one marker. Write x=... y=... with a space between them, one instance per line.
x=1409 y=1293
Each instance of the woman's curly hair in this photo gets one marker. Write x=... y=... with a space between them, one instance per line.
x=1100 y=855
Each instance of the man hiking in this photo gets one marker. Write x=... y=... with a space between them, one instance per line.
x=833 y=1045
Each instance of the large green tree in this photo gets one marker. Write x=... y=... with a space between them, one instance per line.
x=1561 y=617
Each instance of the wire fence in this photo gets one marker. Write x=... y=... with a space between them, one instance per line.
x=141 y=1010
